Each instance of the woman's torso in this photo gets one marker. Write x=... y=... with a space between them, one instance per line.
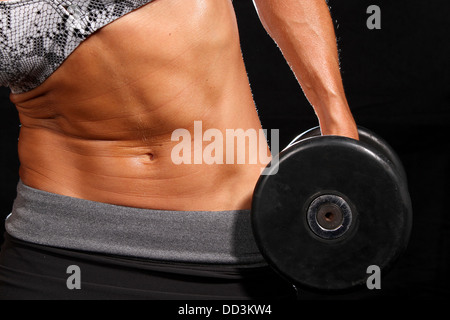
x=100 y=127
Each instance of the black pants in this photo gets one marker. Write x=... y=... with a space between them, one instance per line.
x=29 y=271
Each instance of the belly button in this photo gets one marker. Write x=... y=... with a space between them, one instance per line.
x=147 y=158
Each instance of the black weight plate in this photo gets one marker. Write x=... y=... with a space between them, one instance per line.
x=330 y=165
x=310 y=133
x=365 y=136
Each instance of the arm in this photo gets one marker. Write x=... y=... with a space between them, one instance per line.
x=305 y=34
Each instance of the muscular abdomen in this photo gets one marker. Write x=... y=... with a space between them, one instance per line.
x=100 y=127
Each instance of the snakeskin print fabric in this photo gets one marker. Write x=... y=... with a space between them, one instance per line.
x=36 y=36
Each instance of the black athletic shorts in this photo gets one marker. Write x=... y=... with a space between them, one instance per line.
x=30 y=271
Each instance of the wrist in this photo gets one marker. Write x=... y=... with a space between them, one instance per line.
x=337 y=119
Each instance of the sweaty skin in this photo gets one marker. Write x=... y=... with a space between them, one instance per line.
x=100 y=127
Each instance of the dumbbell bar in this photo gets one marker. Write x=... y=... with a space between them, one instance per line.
x=334 y=207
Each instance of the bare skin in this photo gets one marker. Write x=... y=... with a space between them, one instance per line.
x=100 y=127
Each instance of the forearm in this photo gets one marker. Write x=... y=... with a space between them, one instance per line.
x=305 y=34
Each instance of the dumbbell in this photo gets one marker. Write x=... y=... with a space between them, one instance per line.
x=332 y=208
x=366 y=136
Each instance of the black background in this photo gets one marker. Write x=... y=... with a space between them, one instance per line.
x=397 y=84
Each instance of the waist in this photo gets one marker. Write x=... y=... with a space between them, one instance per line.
x=171 y=173
x=220 y=237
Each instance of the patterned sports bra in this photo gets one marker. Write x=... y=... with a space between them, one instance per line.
x=36 y=36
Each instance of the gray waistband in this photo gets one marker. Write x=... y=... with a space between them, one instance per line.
x=45 y=218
